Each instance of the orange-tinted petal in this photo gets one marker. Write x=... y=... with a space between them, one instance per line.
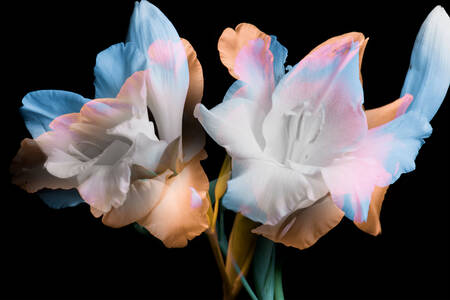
x=232 y=41
x=377 y=117
x=381 y=115
x=304 y=227
x=181 y=213
x=143 y=195
x=372 y=225
x=193 y=134
x=356 y=37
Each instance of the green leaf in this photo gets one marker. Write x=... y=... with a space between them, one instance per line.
x=279 y=295
x=266 y=269
x=263 y=268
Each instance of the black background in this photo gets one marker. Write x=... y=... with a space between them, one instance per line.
x=67 y=253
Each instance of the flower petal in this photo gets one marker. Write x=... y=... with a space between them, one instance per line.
x=232 y=41
x=377 y=117
x=279 y=53
x=382 y=115
x=58 y=199
x=29 y=173
x=305 y=226
x=372 y=224
x=193 y=134
x=114 y=65
x=403 y=136
x=148 y=24
x=267 y=192
x=143 y=195
x=167 y=82
x=387 y=152
x=247 y=55
x=105 y=184
x=324 y=87
x=230 y=124
x=181 y=213
x=41 y=107
x=428 y=75
x=355 y=36
x=351 y=179
x=167 y=78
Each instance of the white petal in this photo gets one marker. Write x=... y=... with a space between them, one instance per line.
x=267 y=192
x=231 y=125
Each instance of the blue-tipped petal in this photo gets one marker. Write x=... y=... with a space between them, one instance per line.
x=428 y=77
x=279 y=53
x=41 y=107
x=408 y=133
x=58 y=199
x=114 y=65
x=149 y=24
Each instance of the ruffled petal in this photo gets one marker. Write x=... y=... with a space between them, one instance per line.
x=114 y=65
x=227 y=51
x=193 y=134
x=279 y=53
x=304 y=227
x=143 y=195
x=232 y=41
x=181 y=213
x=106 y=184
x=230 y=124
x=428 y=75
x=325 y=89
x=245 y=52
x=267 y=192
x=28 y=171
x=41 y=107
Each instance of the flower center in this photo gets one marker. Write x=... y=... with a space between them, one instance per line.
x=303 y=126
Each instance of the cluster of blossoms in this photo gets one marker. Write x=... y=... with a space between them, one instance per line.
x=304 y=151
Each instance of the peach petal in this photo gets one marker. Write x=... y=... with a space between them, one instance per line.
x=28 y=171
x=381 y=115
x=181 y=213
x=304 y=227
x=372 y=225
x=192 y=132
x=171 y=157
x=143 y=195
x=232 y=41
